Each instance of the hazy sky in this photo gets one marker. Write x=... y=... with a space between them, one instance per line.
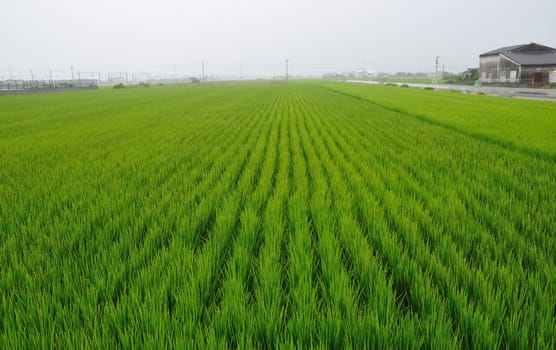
x=256 y=36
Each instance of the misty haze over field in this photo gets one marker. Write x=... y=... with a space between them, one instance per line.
x=253 y=38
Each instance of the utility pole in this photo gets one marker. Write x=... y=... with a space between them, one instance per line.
x=79 y=76
x=51 y=81
x=98 y=78
x=72 y=78
x=32 y=79
x=203 y=71
x=126 y=81
x=442 y=70
x=436 y=71
x=287 y=70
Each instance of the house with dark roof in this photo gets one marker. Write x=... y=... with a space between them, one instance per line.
x=528 y=64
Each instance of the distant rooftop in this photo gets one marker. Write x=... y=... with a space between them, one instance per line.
x=531 y=54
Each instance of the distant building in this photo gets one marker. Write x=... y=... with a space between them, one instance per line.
x=528 y=64
x=366 y=74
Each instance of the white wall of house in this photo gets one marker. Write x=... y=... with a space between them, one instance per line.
x=552 y=78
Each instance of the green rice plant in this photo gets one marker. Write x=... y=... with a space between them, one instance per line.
x=301 y=215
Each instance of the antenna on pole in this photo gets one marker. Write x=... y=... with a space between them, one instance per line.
x=287 y=77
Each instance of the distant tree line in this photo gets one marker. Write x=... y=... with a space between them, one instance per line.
x=468 y=76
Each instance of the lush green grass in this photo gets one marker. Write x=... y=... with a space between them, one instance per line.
x=276 y=215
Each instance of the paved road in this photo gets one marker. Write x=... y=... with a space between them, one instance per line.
x=542 y=94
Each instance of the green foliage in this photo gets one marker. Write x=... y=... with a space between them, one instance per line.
x=119 y=86
x=466 y=77
x=276 y=216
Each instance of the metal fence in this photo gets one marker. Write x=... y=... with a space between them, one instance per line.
x=17 y=85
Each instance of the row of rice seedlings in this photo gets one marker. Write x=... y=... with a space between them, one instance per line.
x=269 y=297
x=201 y=279
x=381 y=318
x=203 y=206
x=203 y=287
x=408 y=181
x=302 y=327
x=339 y=318
x=231 y=322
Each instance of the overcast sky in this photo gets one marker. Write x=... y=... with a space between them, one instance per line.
x=255 y=37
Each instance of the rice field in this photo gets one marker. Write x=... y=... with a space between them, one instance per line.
x=302 y=215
